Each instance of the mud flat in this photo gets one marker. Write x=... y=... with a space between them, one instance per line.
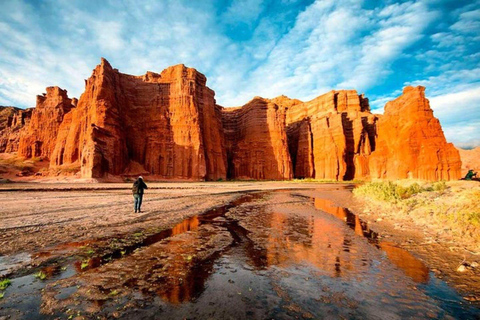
x=249 y=250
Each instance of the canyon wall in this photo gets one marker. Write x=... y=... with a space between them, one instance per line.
x=168 y=126
x=12 y=122
x=256 y=141
x=165 y=125
x=335 y=134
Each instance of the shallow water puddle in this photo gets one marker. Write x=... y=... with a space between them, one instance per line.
x=246 y=261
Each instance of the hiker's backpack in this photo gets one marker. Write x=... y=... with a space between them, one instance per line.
x=135 y=188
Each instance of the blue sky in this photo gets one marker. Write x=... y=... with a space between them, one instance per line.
x=250 y=48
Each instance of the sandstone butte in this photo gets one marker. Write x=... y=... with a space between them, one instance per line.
x=168 y=126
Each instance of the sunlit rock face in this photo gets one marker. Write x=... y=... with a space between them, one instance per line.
x=410 y=142
x=40 y=136
x=168 y=126
x=12 y=122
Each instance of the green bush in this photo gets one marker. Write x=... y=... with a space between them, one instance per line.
x=388 y=191
x=4 y=283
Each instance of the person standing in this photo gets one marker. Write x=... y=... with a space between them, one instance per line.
x=137 y=190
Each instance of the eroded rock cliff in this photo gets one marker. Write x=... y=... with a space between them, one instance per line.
x=167 y=126
x=256 y=141
x=12 y=122
x=335 y=134
x=40 y=136
x=410 y=142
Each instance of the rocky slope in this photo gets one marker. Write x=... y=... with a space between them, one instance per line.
x=168 y=126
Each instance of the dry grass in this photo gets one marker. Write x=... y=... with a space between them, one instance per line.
x=452 y=207
x=11 y=161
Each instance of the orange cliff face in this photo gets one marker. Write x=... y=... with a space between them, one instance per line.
x=165 y=125
x=331 y=136
x=256 y=141
x=410 y=142
x=168 y=126
x=39 y=137
x=12 y=123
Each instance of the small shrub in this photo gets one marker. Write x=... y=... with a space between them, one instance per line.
x=40 y=275
x=84 y=264
x=388 y=191
x=440 y=186
x=4 y=283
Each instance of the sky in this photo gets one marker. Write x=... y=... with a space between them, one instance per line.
x=247 y=48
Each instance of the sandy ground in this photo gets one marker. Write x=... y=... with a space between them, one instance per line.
x=43 y=224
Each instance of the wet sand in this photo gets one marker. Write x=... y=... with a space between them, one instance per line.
x=217 y=250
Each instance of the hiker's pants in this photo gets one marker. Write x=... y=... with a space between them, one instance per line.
x=137 y=201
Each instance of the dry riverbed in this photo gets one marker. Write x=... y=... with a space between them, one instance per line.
x=221 y=250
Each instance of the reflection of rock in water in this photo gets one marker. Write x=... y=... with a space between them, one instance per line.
x=403 y=259
x=324 y=245
x=412 y=267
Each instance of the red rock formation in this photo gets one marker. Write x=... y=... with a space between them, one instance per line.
x=256 y=141
x=40 y=136
x=341 y=134
x=470 y=160
x=300 y=146
x=410 y=142
x=12 y=121
x=166 y=125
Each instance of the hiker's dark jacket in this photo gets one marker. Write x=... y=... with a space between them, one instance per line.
x=139 y=186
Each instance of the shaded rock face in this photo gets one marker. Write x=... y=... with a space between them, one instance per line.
x=12 y=122
x=168 y=126
x=256 y=141
x=410 y=142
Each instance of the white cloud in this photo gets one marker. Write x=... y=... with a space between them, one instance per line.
x=457 y=106
x=330 y=44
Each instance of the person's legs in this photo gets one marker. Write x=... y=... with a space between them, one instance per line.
x=140 y=198
x=135 y=203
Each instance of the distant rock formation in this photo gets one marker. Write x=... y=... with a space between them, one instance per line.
x=470 y=160
x=12 y=122
x=40 y=136
x=168 y=126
